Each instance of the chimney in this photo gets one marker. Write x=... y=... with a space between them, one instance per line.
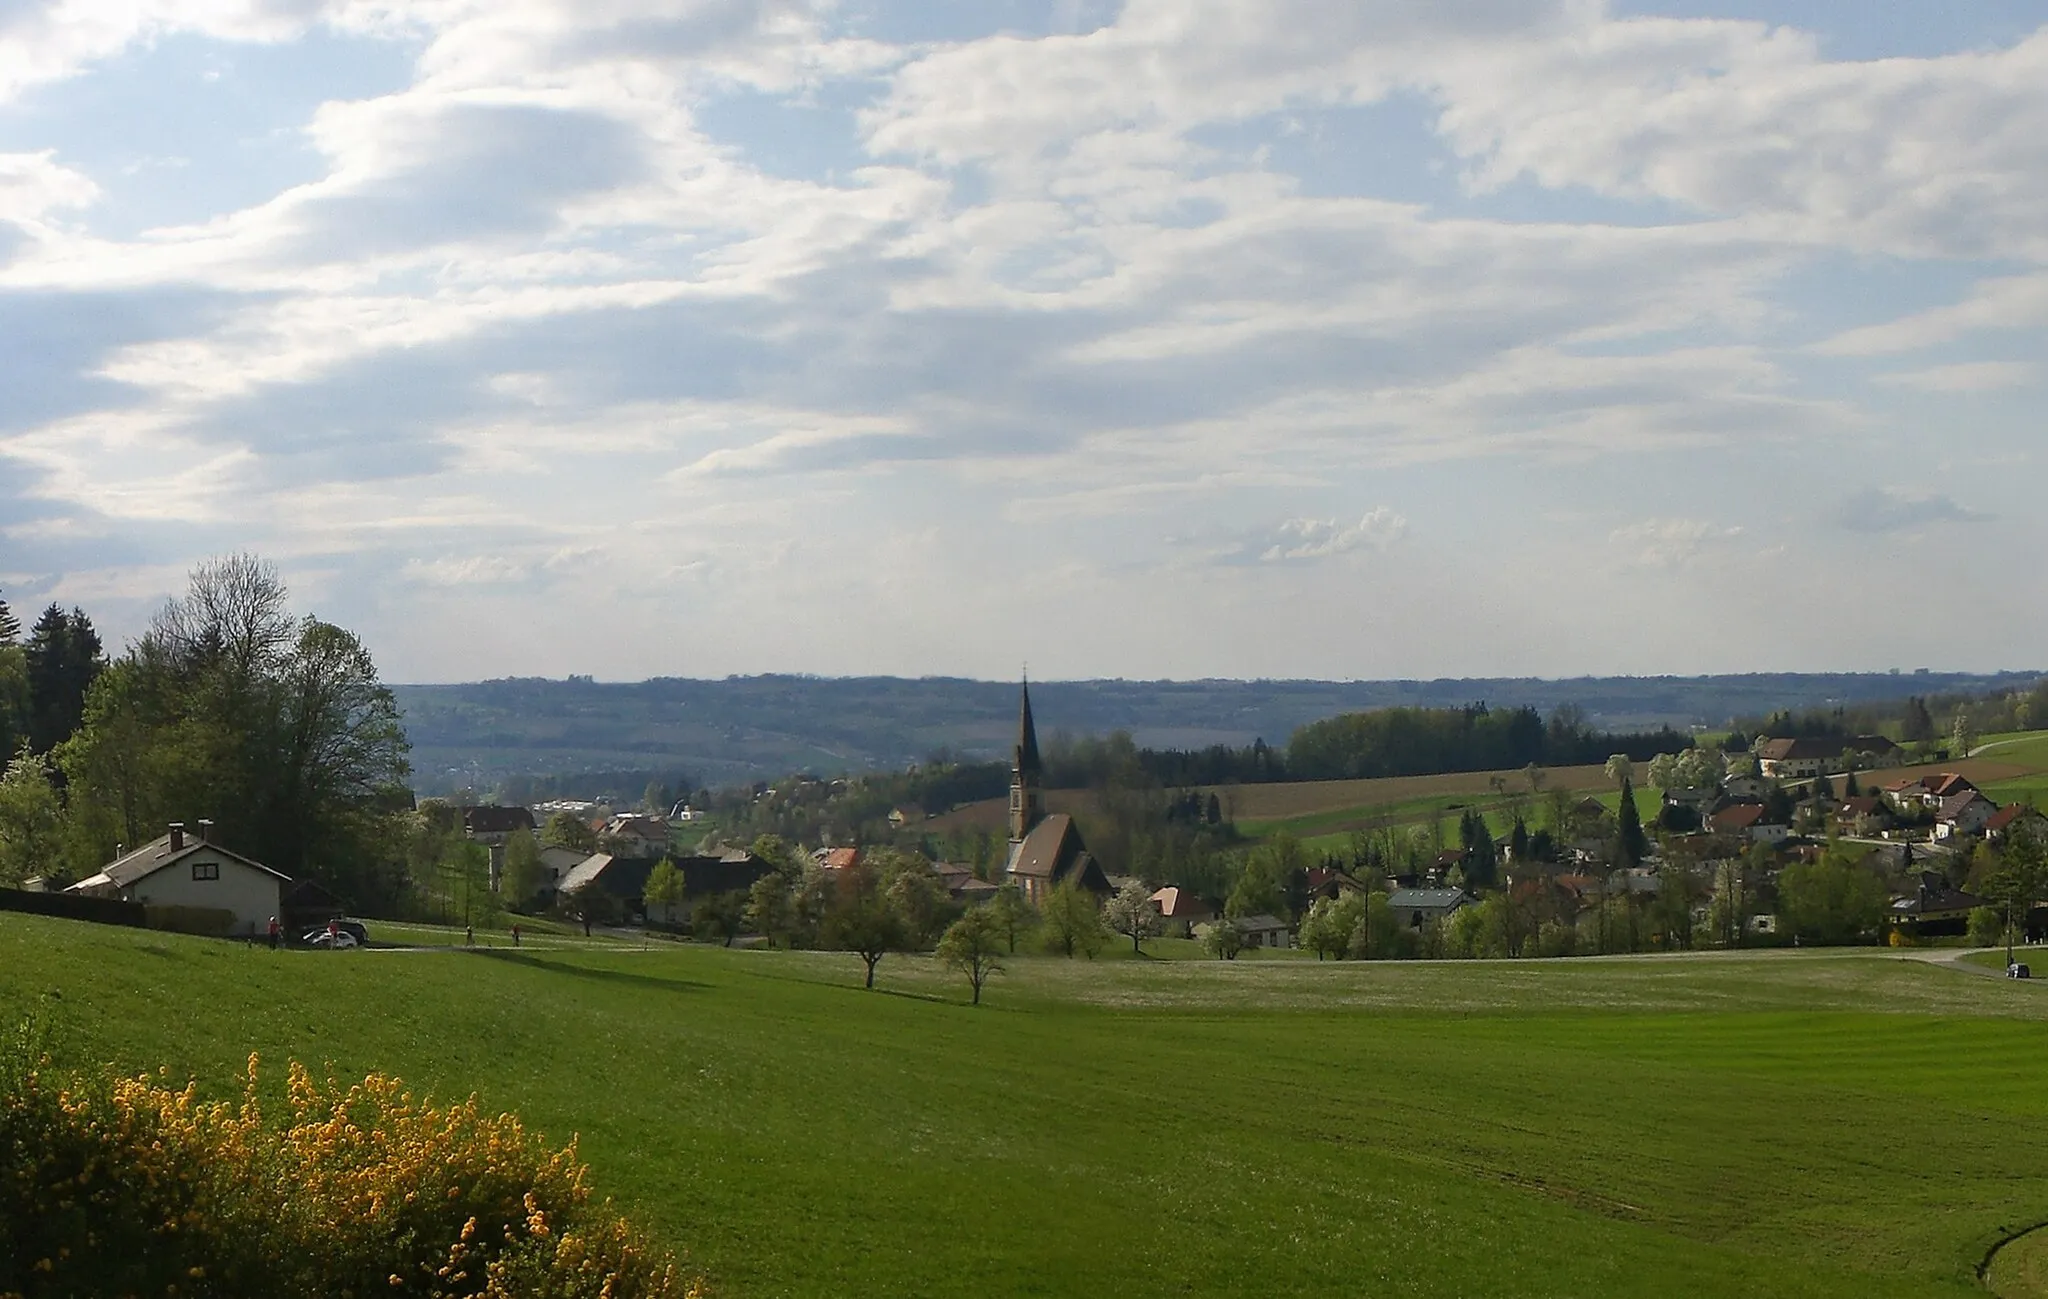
x=177 y=836
x=205 y=830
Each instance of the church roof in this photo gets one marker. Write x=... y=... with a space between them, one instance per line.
x=1026 y=762
x=1054 y=852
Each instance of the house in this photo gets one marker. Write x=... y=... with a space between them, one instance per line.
x=181 y=870
x=831 y=860
x=1966 y=813
x=1332 y=882
x=1799 y=759
x=2017 y=819
x=1265 y=931
x=1935 y=910
x=1045 y=851
x=1744 y=787
x=1927 y=791
x=902 y=816
x=1747 y=821
x=494 y=825
x=1865 y=816
x=961 y=884
x=1180 y=910
x=625 y=878
x=1415 y=908
x=637 y=835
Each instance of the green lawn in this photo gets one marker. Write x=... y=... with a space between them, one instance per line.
x=1780 y=1123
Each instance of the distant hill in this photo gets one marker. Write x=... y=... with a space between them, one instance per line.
x=747 y=728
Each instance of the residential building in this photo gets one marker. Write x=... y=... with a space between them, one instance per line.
x=1748 y=821
x=1180 y=910
x=1801 y=759
x=2016 y=819
x=181 y=870
x=1415 y=908
x=1263 y=930
x=1963 y=814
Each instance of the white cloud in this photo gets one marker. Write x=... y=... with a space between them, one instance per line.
x=1296 y=540
x=1892 y=509
x=1669 y=543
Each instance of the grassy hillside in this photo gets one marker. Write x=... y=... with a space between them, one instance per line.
x=1798 y=1124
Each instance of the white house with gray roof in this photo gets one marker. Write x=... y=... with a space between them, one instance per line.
x=181 y=870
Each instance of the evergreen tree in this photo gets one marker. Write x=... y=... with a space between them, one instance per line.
x=10 y=626
x=64 y=659
x=1634 y=844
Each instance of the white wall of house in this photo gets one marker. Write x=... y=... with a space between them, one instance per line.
x=252 y=895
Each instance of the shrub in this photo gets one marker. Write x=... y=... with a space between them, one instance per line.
x=116 y=1185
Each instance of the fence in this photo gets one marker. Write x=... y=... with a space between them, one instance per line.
x=71 y=906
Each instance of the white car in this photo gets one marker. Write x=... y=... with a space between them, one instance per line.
x=339 y=940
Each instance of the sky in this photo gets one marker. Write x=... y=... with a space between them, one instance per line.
x=1163 y=338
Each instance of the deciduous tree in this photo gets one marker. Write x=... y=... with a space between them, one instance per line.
x=1132 y=914
x=1072 y=923
x=864 y=918
x=568 y=830
x=663 y=893
x=973 y=946
x=1223 y=939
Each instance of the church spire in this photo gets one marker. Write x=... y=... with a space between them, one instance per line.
x=1026 y=759
x=1027 y=807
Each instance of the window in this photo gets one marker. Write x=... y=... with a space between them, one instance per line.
x=206 y=870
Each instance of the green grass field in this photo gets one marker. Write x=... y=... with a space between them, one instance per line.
x=1782 y=1123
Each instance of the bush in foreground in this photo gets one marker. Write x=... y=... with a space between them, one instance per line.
x=129 y=1186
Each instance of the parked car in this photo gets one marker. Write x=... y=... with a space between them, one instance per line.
x=338 y=939
x=352 y=930
x=2018 y=970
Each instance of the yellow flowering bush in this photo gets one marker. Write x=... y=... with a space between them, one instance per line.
x=130 y=1186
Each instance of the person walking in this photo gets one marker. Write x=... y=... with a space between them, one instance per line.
x=515 y=935
x=469 y=935
x=276 y=934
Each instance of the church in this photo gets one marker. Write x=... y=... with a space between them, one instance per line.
x=1045 y=851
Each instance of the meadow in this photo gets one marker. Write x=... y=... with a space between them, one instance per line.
x=1792 y=1123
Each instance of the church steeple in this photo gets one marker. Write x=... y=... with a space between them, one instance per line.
x=1027 y=807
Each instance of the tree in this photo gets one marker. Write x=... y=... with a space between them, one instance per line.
x=1132 y=914
x=63 y=659
x=10 y=626
x=1072 y=923
x=972 y=946
x=1331 y=924
x=1919 y=728
x=1012 y=913
x=1632 y=843
x=663 y=892
x=769 y=912
x=1833 y=900
x=916 y=894
x=521 y=881
x=1224 y=939
x=1260 y=889
x=567 y=830
x=593 y=904
x=720 y=915
x=30 y=820
x=277 y=728
x=1621 y=769
x=864 y=919
x=1963 y=741
x=2017 y=884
